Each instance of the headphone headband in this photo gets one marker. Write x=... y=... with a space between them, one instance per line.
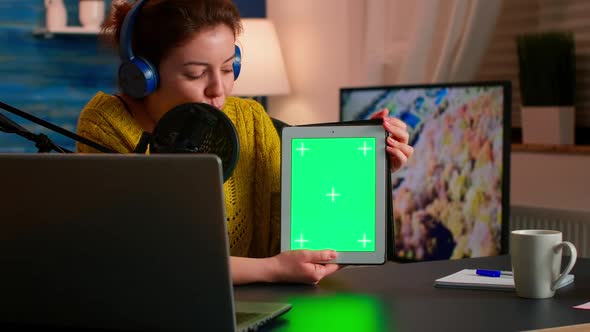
x=125 y=49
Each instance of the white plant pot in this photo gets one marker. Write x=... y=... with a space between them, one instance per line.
x=91 y=13
x=548 y=124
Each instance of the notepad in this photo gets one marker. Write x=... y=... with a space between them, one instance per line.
x=468 y=279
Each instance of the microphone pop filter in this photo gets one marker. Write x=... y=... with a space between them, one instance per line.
x=198 y=128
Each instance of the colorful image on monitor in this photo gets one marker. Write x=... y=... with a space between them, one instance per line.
x=450 y=199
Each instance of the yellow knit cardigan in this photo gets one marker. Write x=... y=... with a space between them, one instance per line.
x=251 y=194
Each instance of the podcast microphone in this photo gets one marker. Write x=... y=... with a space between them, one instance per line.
x=195 y=128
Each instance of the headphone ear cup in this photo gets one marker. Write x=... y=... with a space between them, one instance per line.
x=237 y=65
x=137 y=77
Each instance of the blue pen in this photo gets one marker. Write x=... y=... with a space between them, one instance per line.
x=491 y=273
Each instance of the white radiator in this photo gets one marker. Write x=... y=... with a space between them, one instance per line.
x=575 y=225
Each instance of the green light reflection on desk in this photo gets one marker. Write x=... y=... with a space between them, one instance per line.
x=335 y=313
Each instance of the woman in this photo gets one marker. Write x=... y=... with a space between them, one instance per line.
x=191 y=43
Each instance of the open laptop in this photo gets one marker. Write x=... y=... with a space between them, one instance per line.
x=126 y=242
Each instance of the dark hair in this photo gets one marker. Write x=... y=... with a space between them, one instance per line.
x=162 y=25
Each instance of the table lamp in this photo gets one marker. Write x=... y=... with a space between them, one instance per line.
x=263 y=69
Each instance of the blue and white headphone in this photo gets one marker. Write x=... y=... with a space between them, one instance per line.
x=137 y=76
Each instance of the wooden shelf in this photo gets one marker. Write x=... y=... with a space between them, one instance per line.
x=69 y=30
x=545 y=148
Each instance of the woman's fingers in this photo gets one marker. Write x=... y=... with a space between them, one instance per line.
x=319 y=256
x=405 y=148
x=380 y=115
x=399 y=133
x=398 y=159
x=395 y=122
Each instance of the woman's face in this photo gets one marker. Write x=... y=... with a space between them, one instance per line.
x=200 y=71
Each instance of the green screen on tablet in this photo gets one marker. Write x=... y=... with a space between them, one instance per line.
x=333 y=193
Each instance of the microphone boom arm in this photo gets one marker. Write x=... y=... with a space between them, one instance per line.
x=53 y=127
x=42 y=142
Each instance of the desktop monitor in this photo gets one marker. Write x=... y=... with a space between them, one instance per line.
x=451 y=199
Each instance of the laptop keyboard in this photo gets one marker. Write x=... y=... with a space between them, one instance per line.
x=245 y=316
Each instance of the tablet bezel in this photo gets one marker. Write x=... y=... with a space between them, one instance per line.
x=381 y=177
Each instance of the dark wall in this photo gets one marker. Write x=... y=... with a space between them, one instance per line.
x=251 y=8
x=54 y=78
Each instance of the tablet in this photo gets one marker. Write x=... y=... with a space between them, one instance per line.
x=333 y=191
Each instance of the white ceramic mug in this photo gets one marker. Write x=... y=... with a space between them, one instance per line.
x=536 y=261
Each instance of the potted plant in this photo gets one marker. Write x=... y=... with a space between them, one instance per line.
x=547 y=87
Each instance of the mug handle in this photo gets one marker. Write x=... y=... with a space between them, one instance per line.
x=570 y=264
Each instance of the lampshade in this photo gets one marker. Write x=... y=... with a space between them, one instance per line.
x=263 y=70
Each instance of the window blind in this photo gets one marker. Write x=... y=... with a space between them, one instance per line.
x=524 y=16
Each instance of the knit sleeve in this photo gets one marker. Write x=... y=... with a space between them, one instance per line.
x=273 y=150
x=93 y=127
x=266 y=237
x=275 y=202
x=105 y=121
